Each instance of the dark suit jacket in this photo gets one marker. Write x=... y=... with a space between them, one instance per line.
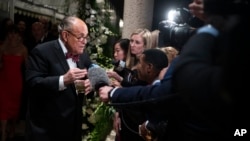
x=157 y=101
x=197 y=79
x=143 y=97
x=52 y=115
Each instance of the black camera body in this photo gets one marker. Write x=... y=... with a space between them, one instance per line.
x=175 y=33
x=172 y=34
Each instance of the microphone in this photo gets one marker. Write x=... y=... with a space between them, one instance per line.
x=98 y=77
x=119 y=65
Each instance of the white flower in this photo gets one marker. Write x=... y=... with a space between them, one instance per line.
x=89 y=111
x=100 y=1
x=107 y=32
x=92 y=119
x=103 y=39
x=92 y=11
x=99 y=50
x=84 y=126
x=92 y=17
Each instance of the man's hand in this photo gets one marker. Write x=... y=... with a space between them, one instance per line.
x=197 y=9
x=117 y=123
x=104 y=93
x=146 y=134
x=115 y=83
x=74 y=74
x=113 y=74
x=87 y=86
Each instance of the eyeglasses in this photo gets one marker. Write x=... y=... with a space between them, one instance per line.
x=80 y=38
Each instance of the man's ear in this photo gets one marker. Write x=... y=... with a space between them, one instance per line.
x=64 y=35
x=150 y=67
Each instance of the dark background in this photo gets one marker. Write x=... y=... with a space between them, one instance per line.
x=160 y=8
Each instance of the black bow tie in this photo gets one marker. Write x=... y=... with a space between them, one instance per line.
x=75 y=58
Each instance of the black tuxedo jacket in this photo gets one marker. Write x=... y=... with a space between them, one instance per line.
x=52 y=115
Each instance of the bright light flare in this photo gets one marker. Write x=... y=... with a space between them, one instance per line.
x=172 y=15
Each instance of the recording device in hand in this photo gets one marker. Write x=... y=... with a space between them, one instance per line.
x=98 y=77
x=118 y=65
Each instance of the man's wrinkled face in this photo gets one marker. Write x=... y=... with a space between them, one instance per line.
x=77 y=38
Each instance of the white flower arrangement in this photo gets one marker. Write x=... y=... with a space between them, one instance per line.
x=97 y=116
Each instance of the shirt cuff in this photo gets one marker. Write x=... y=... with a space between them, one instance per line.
x=146 y=123
x=112 y=92
x=61 y=83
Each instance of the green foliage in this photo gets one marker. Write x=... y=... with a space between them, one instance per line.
x=97 y=117
x=103 y=115
x=97 y=18
x=104 y=61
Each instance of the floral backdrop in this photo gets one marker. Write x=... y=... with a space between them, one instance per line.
x=97 y=116
x=97 y=16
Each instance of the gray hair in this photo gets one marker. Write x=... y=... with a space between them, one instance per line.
x=66 y=23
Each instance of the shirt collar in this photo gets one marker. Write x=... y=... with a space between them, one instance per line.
x=62 y=46
x=156 y=81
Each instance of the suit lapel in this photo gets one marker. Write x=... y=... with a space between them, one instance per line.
x=80 y=64
x=61 y=56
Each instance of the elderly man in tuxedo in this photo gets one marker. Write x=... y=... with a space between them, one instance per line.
x=54 y=108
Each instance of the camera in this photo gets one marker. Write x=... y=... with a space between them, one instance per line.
x=177 y=31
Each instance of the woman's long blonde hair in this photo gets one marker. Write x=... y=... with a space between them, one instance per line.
x=147 y=39
x=171 y=52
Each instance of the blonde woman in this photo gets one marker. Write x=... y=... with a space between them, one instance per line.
x=155 y=38
x=140 y=40
x=171 y=52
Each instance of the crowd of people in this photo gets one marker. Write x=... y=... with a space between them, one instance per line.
x=159 y=93
x=16 y=43
x=199 y=100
